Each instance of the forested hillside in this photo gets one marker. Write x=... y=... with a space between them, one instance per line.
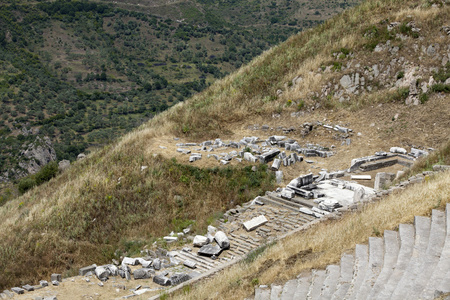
x=83 y=73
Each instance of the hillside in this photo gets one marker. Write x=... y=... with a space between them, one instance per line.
x=380 y=68
x=83 y=73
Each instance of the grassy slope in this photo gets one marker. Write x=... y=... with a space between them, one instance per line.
x=81 y=216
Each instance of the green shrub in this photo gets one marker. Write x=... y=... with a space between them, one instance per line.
x=423 y=98
x=400 y=75
x=300 y=105
x=440 y=88
x=46 y=173
x=26 y=184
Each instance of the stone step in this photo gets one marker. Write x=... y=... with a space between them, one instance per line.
x=303 y=284
x=406 y=234
x=359 y=270
x=430 y=260
x=318 y=277
x=202 y=259
x=444 y=286
x=289 y=290
x=442 y=267
x=329 y=285
x=249 y=243
x=200 y=264
x=280 y=202
x=422 y=226
x=347 y=261
x=235 y=243
x=391 y=249
x=262 y=293
x=376 y=255
x=275 y=292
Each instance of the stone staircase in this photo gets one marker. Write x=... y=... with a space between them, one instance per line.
x=413 y=263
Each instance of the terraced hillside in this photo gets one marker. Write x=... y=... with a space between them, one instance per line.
x=380 y=69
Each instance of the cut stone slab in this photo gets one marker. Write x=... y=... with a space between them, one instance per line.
x=398 y=150
x=170 y=239
x=255 y=223
x=279 y=176
x=141 y=273
x=287 y=193
x=178 y=278
x=276 y=164
x=18 y=290
x=382 y=179
x=157 y=264
x=102 y=273
x=361 y=177
x=210 y=250
x=190 y=264
x=56 y=277
x=87 y=269
x=43 y=283
x=28 y=288
x=200 y=240
x=130 y=261
x=222 y=240
x=162 y=280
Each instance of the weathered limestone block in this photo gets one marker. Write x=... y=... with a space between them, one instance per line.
x=56 y=277
x=18 y=290
x=157 y=264
x=130 y=261
x=383 y=179
x=276 y=164
x=329 y=205
x=398 y=150
x=200 y=241
x=360 y=177
x=43 y=283
x=190 y=264
x=441 y=167
x=28 y=288
x=210 y=250
x=102 y=273
x=287 y=194
x=255 y=223
x=418 y=153
x=268 y=156
x=249 y=157
x=195 y=157
x=178 y=278
x=87 y=269
x=359 y=195
x=222 y=240
x=162 y=280
x=141 y=273
x=279 y=176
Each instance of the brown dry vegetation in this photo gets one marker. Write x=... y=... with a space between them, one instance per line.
x=85 y=214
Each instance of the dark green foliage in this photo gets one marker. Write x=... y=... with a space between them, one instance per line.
x=423 y=98
x=25 y=184
x=440 y=88
x=443 y=73
x=46 y=173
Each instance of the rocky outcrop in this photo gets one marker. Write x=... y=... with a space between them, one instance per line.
x=37 y=154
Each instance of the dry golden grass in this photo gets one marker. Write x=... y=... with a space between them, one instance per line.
x=325 y=243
